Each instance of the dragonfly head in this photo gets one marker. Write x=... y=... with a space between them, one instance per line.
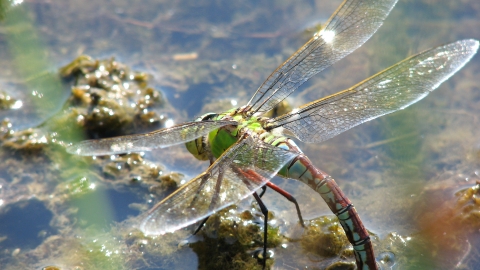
x=197 y=147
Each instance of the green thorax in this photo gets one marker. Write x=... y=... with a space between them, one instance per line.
x=221 y=139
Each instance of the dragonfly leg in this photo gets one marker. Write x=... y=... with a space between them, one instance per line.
x=264 y=188
x=201 y=225
x=289 y=197
x=200 y=187
x=264 y=210
x=212 y=203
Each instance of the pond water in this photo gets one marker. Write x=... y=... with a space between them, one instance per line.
x=412 y=175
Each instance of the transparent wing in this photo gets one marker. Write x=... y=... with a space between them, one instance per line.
x=240 y=171
x=145 y=142
x=354 y=22
x=390 y=90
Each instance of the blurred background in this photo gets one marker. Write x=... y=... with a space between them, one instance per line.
x=412 y=175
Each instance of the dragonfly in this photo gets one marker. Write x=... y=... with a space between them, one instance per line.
x=247 y=149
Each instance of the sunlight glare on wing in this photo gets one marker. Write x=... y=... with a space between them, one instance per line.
x=295 y=110
x=384 y=82
x=119 y=147
x=327 y=35
x=169 y=123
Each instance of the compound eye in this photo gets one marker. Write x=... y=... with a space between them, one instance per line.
x=196 y=148
x=206 y=116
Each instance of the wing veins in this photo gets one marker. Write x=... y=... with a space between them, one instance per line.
x=313 y=106
x=147 y=141
x=285 y=79
x=385 y=92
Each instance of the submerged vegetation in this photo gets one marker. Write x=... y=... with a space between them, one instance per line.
x=78 y=211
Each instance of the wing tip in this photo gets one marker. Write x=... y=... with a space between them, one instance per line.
x=473 y=44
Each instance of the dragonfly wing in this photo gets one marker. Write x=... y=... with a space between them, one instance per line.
x=145 y=142
x=240 y=171
x=390 y=90
x=354 y=22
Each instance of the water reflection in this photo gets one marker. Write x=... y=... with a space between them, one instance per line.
x=401 y=172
